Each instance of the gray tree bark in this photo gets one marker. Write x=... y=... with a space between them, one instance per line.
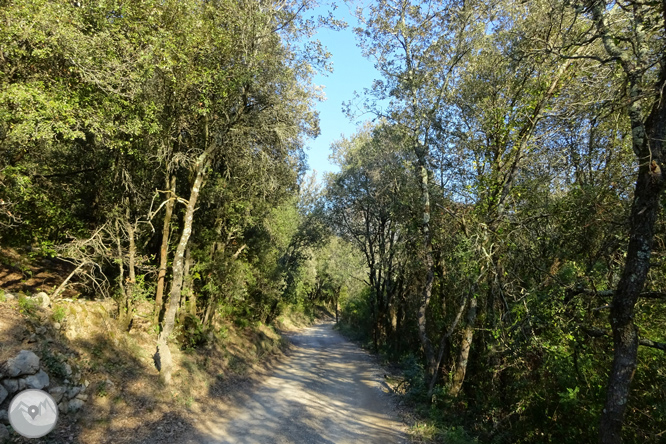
x=163 y=358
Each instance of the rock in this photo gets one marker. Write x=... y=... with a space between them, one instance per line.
x=57 y=393
x=4 y=417
x=40 y=330
x=75 y=405
x=32 y=339
x=25 y=363
x=63 y=406
x=86 y=383
x=3 y=394
x=4 y=434
x=72 y=392
x=9 y=297
x=56 y=325
x=37 y=381
x=12 y=385
x=82 y=397
x=43 y=299
x=68 y=369
x=21 y=384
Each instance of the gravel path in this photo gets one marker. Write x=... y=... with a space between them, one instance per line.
x=327 y=392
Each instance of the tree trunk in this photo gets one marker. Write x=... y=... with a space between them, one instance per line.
x=207 y=319
x=647 y=142
x=131 y=283
x=337 y=298
x=164 y=248
x=186 y=292
x=468 y=335
x=443 y=346
x=163 y=359
x=429 y=263
x=126 y=302
x=644 y=213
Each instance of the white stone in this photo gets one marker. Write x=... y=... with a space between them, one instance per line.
x=43 y=299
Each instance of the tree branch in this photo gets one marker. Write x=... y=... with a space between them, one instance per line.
x=598 y=333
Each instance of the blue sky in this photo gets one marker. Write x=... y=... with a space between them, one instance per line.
x=351 y=72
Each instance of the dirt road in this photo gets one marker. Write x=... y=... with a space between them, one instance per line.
x=327 y=392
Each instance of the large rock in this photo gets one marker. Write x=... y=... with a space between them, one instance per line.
x=43 y=299
x=12 y=385
x=57 y=393
x=37 y=381
x=4 y=434
x=3 y=394
x=25 y=363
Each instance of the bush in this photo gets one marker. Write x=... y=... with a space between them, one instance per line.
x=27 y=306
x=192 y=332
x=59 y=313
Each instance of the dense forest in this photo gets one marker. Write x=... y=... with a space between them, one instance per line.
x=495 y=227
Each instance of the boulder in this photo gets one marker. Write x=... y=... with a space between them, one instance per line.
x=3 y=394
x=43 y=299
x=37 y=381
x=4 y=434
x=57 y=393
x=12 y=385
x=21 y=384
x=25 y=363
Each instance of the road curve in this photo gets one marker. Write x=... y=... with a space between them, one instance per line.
x=326 y=392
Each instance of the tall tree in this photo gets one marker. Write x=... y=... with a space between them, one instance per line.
x=632 y=34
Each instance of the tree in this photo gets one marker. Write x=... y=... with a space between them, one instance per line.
x=632 y=36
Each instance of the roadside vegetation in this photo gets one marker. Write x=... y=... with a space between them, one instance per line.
x=507 y=204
